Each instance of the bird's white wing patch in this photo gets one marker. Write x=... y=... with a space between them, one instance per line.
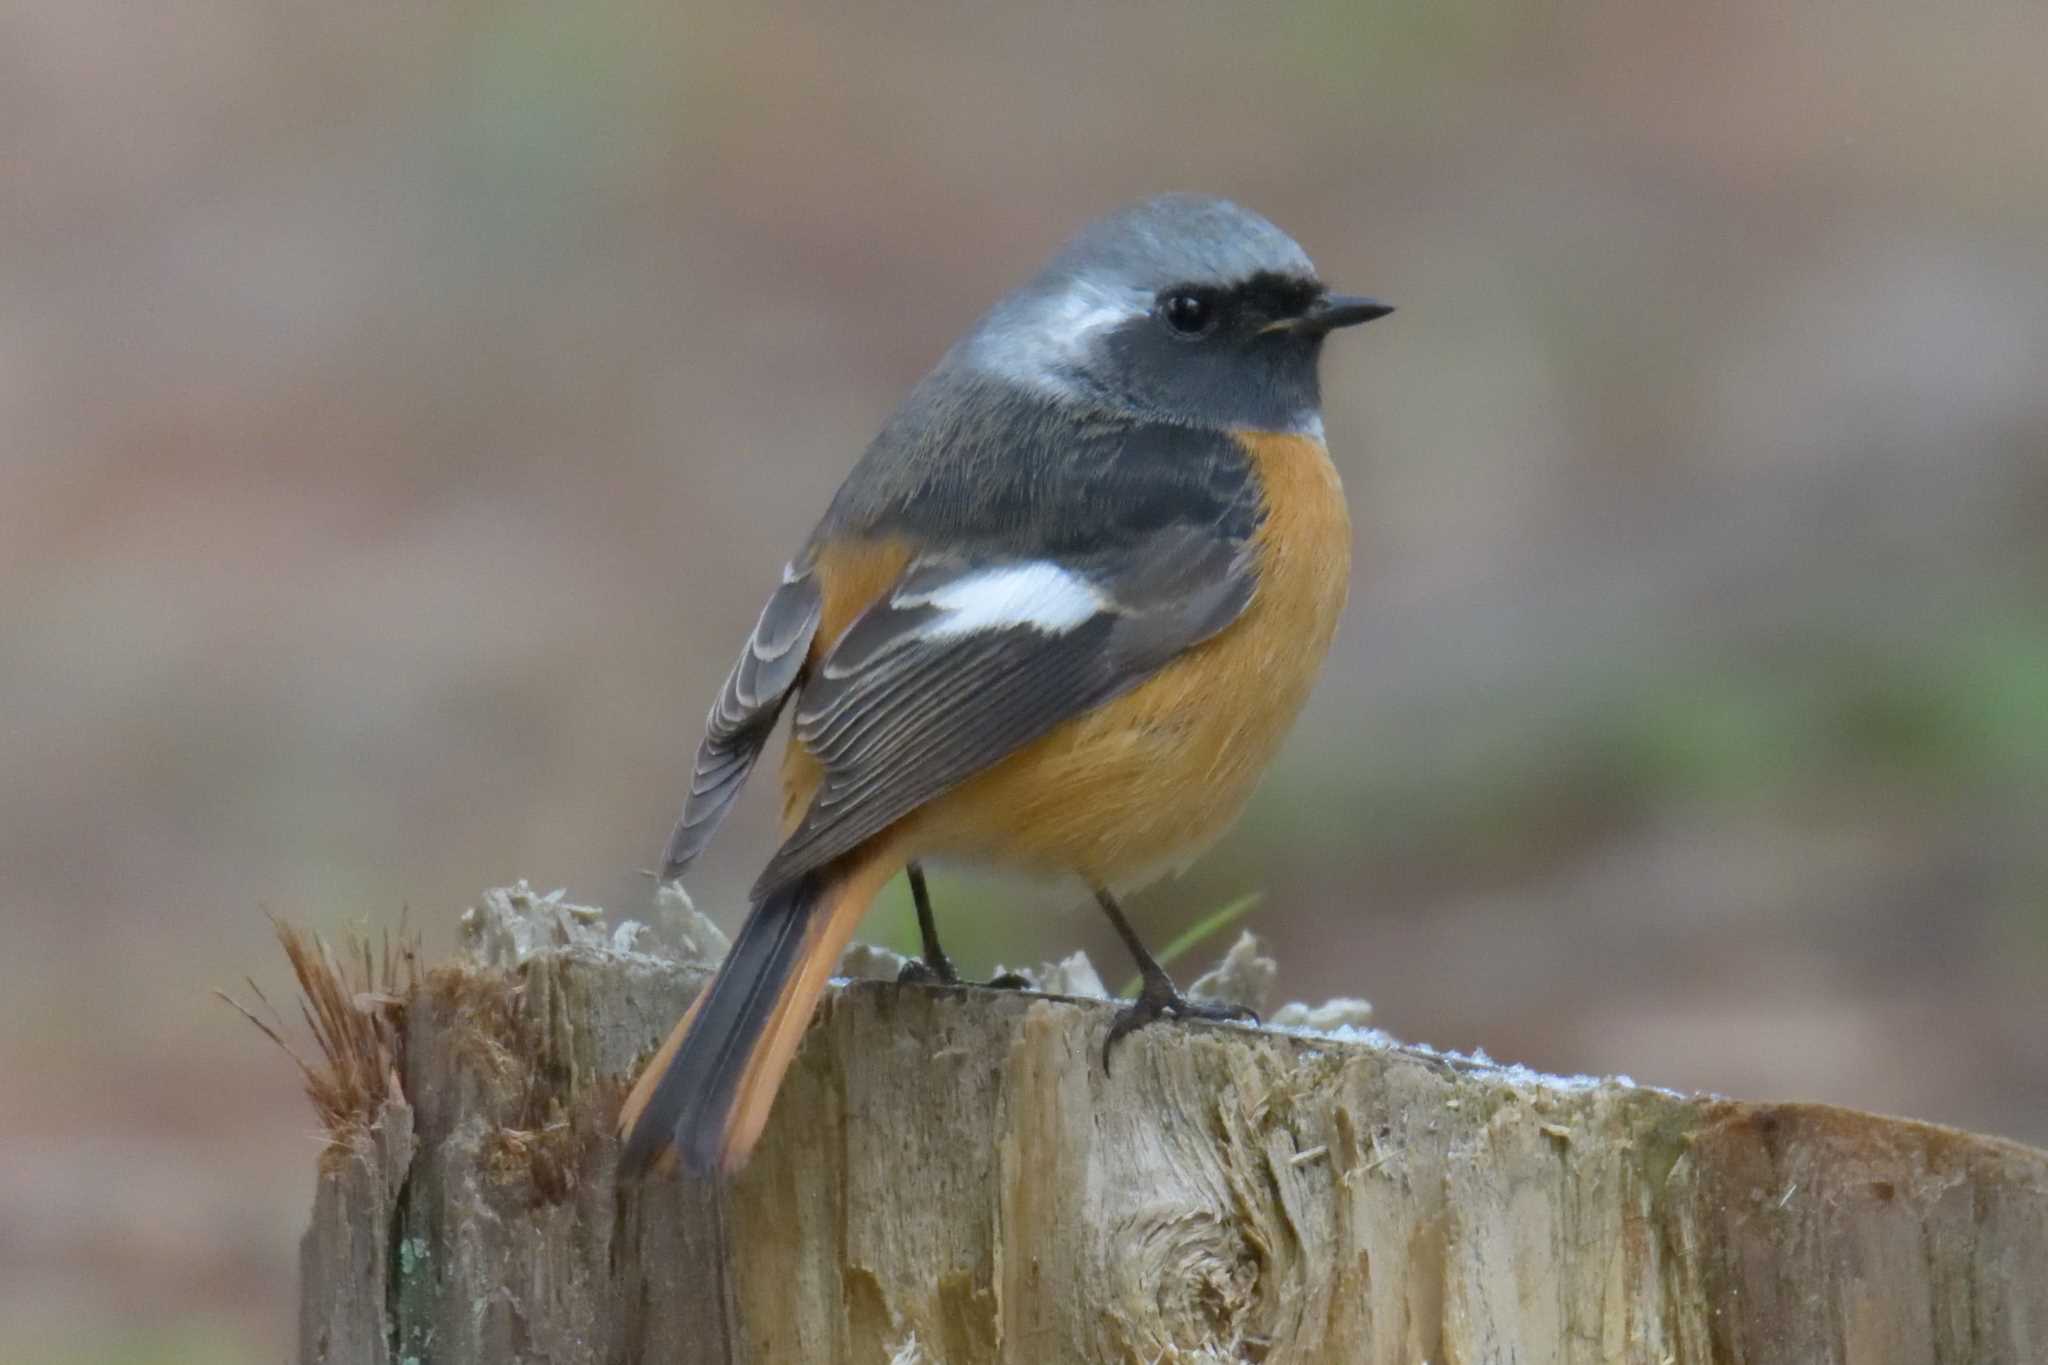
x=1037 y=593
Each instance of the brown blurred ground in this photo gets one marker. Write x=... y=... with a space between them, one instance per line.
x=404 y=408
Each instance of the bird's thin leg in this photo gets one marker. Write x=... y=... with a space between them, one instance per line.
x=1157 y=995
x=935 y=966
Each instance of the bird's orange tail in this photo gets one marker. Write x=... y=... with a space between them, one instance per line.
x=708 y=1090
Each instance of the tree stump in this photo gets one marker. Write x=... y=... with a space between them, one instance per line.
x=951 y=1176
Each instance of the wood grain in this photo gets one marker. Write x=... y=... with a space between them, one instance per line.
x=949 y=1175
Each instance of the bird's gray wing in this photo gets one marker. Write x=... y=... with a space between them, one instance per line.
x=969 y=658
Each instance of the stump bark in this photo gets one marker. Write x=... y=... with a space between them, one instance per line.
x=951 y=1176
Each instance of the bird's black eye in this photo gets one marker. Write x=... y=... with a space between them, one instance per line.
x=1187 y=312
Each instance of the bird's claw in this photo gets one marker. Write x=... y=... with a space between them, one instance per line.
x=926 y=971
x=1159 y=1000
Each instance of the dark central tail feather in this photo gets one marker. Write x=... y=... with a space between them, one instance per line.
x=726 y=1035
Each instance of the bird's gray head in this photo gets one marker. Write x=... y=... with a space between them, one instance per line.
x=1182 y=308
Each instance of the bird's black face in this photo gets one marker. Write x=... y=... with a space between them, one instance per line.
x=1194 y=312
x=1239 y=355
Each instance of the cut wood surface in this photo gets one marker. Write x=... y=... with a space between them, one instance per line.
x=951 y=1176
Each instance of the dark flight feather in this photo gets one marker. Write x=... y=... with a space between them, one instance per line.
x=744 y=715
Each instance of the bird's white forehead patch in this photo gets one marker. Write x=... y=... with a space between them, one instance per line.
x=1036 y=593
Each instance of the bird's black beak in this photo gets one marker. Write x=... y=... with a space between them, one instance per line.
x=1332 y=311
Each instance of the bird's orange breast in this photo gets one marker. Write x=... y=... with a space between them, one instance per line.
x=1148 y=780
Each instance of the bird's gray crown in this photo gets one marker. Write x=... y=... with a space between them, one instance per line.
x=1175 y=239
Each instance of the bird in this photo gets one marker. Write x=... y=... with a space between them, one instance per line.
x=1057 y=619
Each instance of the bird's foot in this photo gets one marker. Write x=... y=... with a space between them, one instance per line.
x=924 y=971
x=931 y=970
x=1160 y=1000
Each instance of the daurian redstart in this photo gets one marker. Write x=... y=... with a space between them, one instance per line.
x=1057 y=619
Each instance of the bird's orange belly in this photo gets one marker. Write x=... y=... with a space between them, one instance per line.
x=1147 y=781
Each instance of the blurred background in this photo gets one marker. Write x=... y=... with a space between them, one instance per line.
x=405 y=408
